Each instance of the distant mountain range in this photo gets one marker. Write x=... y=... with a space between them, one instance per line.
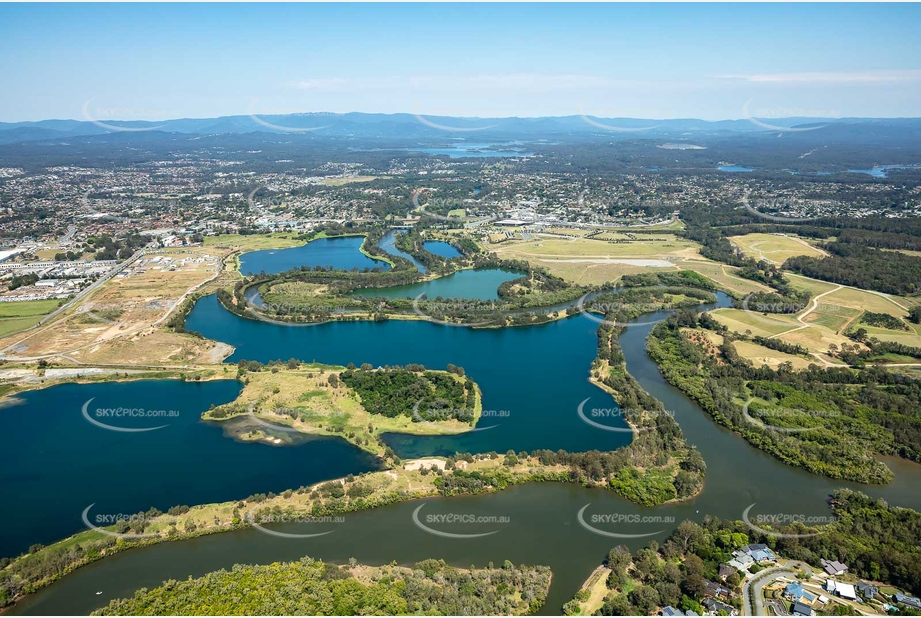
x=409 y=126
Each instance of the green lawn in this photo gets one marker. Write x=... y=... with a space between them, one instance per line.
x=17 y=316
x=28 y=308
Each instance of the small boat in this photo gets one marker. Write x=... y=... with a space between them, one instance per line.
x=99 y=592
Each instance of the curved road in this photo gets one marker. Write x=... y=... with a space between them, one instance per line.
x=762 y=579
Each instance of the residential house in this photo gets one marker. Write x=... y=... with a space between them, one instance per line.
x=845 y=591
x=867 y=590
x=671 y=611
x=801 y=609
x=715 y=590
x=758 y=552
x=725 y=571
x=715 y=607
x=741 y=561
x=833 y=567
x=796 y=593
x=904 y=599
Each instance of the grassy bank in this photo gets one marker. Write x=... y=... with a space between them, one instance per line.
x=315 y=399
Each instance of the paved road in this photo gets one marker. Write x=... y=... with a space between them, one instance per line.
x=752 y=597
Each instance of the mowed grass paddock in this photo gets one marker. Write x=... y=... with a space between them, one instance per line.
x=824 y=321
x=774 y=248
x=17 y=316
x=587 y=261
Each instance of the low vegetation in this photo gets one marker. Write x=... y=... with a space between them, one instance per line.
x=311 y=587
x=280 y=401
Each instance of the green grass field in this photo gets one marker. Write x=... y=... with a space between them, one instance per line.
x=723 y=276
x=17 y=316
x=763 y=325
x=774 y=248
x=254 y=242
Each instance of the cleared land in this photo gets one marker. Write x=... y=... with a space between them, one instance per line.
x=760 y=356
x=724 y=276
x=833 y=310
x=774 y=248
x=338 y=182
x=591 y=595
x=593 y=262
x=254 y=242
x=121 y=322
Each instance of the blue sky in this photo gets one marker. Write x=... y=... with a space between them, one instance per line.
x=129 y=61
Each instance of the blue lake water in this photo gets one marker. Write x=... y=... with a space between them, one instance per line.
x=388 y=244
x=537 y=375
x=458 y=153
x=468 y=150
x=734 y=168
x=880 y=171
x=55 y=463
x=443 y=249
x=480 y=284
x=341 y=253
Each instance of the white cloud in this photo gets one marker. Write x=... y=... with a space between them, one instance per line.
x=853 y=77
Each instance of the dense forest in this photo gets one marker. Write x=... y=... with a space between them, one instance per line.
x=428 y=395
x=862 y=267
x=313 y=588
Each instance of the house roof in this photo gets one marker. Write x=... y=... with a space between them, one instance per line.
x=867 y=589
x=801 y=609
x=907 y=600
x=841 y=589
x=833 y=566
